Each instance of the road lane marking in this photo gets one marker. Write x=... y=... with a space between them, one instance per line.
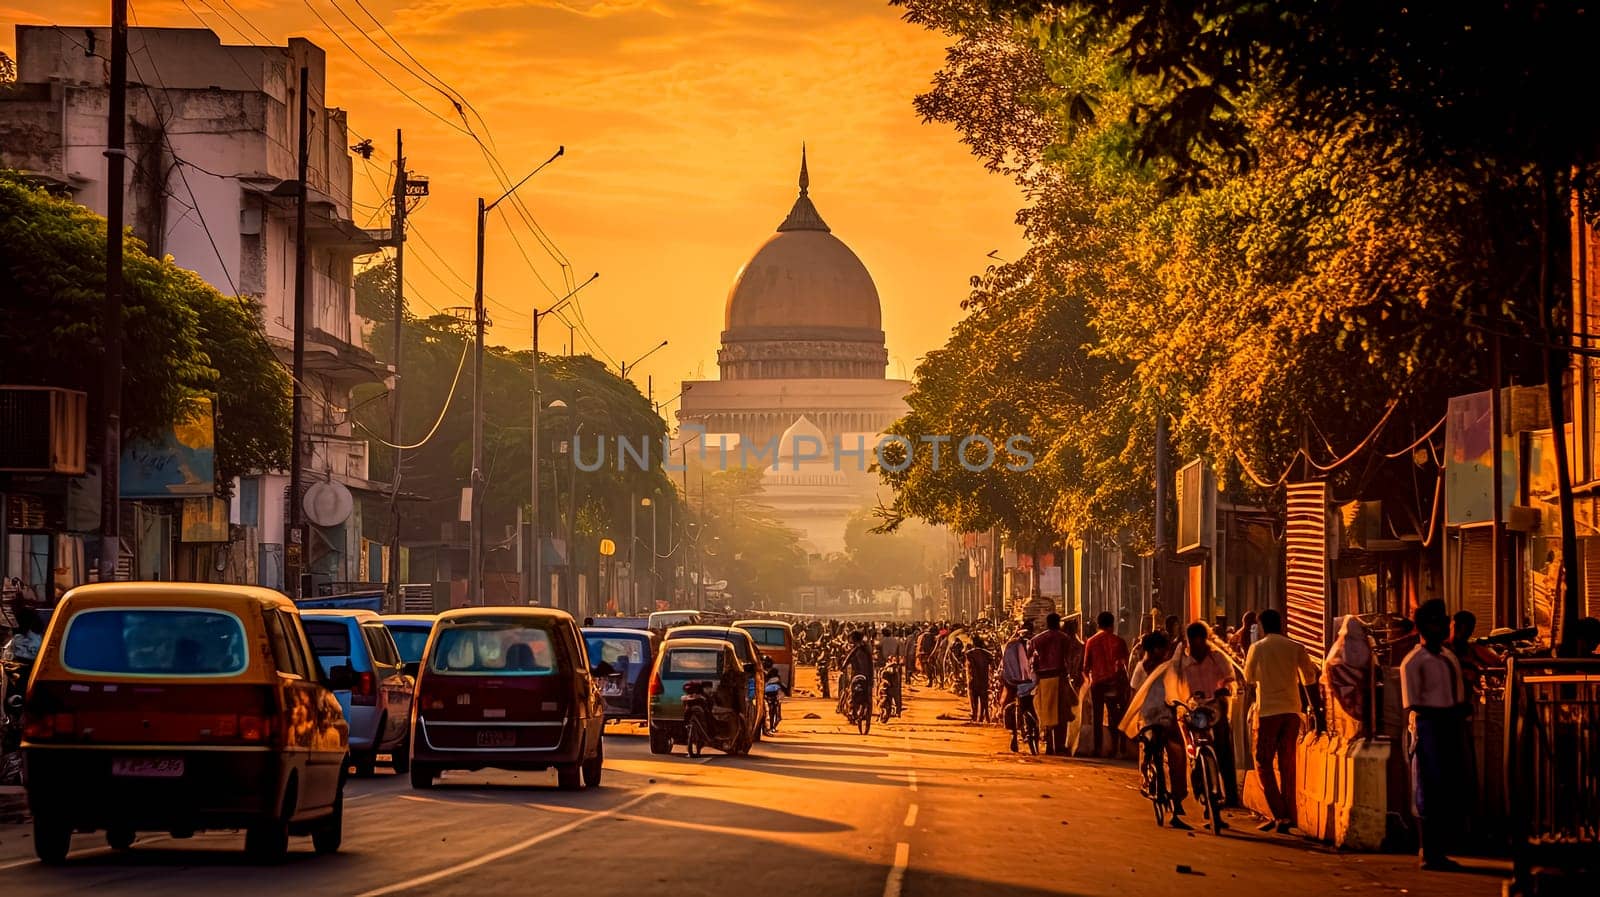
x=503 y=852
x=897 y=872
x=911 y=778
x=911 y=816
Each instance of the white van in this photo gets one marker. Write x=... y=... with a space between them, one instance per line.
x=662 y=620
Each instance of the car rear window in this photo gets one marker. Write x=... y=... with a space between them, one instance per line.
x=611 y=650
x=329 y=638
x=767 y=636
x=410 y=641
x=694 y=662
x=495 y=650
x=156 y=641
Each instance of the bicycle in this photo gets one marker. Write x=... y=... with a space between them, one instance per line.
x=1152 y=771
x=1023 y=722
x=1196 y=723
x=860 y=711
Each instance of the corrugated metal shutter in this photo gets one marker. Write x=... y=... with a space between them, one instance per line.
x=1477 y=575
x=1306 y=567
x=1589 y=550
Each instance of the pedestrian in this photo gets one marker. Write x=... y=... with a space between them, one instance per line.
x=979 y=662
x=1433 y=693
x=1054 y=696
x=930 y=637
x=1148 y=716
x=1209 y=677
x=1276 y=668
x=1105 y=668
x=1347 y=673
x=1016 y=676
x=1245 y=635
x=888 y=646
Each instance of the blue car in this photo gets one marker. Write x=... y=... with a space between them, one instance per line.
x=410 y=633
x=378 y=704
x=631 y=654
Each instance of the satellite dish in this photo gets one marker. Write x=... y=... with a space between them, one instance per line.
x=328 y=504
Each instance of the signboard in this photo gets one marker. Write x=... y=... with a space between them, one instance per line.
x=1469 y=462
x=179 y=463
x=1197 y=505
x=205 y=520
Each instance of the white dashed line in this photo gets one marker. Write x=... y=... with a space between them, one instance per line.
x=911 y=816
x=897 y=873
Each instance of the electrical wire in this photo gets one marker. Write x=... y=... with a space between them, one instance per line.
x=1415 y=445
x=448 y=400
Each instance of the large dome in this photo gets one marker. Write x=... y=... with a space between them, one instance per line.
x=804 y=306
x=804 y=278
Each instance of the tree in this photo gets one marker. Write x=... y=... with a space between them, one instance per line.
x=181 y=337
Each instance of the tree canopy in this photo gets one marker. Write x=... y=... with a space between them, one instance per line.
x=182 y=338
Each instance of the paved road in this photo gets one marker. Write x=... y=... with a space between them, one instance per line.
x=922 y=806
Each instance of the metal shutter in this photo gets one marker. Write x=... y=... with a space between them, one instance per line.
x=1306 y=567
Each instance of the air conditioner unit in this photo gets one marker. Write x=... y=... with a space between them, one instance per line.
x=43 y=429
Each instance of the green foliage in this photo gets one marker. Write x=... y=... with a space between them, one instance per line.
x=1280 y=302
x=181 y=338
x=743 y=540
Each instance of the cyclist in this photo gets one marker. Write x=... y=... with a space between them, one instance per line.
x=857 y=663
x=1016 y=675
x=1150 y=719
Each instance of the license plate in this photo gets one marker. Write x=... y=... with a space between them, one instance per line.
x=496 y=738
x=163 y=768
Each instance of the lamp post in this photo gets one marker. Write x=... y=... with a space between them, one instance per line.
x=629 y=365
x=475 y=526
x=532 y=587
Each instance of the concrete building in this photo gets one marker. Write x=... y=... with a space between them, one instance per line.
x=802 y=389
x=212 y=135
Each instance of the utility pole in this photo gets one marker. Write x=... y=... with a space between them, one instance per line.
x=111 y=325
x=571 y=597
x=475 y=525
x=397 y=235
x=534 y=587
x=294 y=542
x=633 y=553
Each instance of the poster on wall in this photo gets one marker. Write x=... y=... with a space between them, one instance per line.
x=180 y=462
x=1469 y=462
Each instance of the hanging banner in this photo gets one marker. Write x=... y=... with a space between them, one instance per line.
x=179 y=463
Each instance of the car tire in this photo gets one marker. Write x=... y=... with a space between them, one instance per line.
x=119 y=838
x=422 y=776
x=400 y=757
x=329 y=833
x=594 y=767
x=52 y=838
x=660 y=742
x=569 y=776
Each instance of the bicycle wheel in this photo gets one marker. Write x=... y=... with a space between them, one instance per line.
x=864 y=720
x=1211 y=784
x=695 y=736
x=1154 y=787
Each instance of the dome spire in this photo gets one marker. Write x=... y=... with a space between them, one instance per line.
x=804 y=215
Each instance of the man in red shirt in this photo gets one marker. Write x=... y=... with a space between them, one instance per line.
x=1053 y=697
x=1105 y=667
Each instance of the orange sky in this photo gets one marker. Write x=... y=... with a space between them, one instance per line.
x=682 y=121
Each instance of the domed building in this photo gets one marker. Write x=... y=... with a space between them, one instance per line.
x=802 y=362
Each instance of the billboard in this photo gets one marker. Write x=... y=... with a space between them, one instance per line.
x=179 y=463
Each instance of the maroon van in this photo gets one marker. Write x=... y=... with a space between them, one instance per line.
x=507 y=688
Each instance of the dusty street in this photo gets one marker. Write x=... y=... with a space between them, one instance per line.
x=921 y=806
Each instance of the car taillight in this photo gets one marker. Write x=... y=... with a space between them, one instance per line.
x=656 y=688
x=365 y=691
x=49 y=726
x=254 y=728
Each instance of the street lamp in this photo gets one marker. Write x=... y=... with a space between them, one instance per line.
x=625 y=366
x=531 y=586
x=475 y=527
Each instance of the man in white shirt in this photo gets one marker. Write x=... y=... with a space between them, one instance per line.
x=1277 y=666
x=1433 y=693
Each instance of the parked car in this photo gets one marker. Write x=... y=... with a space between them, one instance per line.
x=410 y=632
x=683 y=660
x=630 y=654
x=744 y=645
x=508 y=688
x=178 y=707
x=775 y=639
x=377 y=703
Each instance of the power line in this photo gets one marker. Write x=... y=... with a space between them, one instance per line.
x=448 y=399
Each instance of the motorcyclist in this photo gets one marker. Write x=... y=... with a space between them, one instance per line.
x=857 y=663
x=893 y=685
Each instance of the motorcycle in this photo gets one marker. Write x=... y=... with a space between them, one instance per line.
x=888 y=697
x=705 y=723
x=13 y=679
x=861 y=703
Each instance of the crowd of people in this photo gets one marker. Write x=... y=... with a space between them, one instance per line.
x=1126 y=693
